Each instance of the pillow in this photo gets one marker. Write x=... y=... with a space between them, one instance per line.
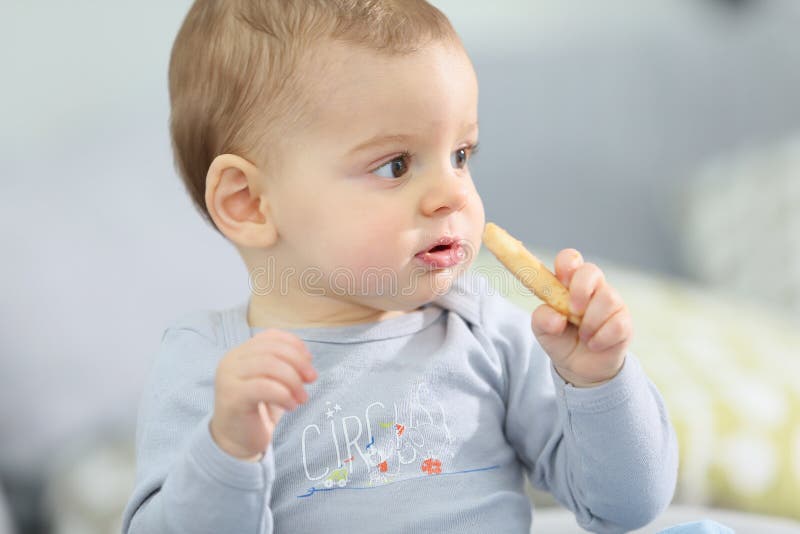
x=729 y=372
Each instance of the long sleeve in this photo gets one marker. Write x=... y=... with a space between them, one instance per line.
x=609 y=454
x=184 y=482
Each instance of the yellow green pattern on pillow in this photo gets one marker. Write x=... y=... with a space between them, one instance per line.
x=729 y=372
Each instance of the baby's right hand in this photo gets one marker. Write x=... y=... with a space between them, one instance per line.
x=255 y=383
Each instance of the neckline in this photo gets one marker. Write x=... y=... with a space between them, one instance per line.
x=463 y=299
x=403 y=325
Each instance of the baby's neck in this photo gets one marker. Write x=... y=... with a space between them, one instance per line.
x=279 y=300
x=324 y=312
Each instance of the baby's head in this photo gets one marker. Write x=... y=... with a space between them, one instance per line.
x=329 y=140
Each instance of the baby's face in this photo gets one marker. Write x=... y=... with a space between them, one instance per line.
x=380 y=173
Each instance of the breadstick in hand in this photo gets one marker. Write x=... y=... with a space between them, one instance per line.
x=529 y=270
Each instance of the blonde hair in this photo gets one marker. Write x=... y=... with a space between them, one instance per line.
x=233 y=72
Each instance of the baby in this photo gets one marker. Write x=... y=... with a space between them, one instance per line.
x=370 y=383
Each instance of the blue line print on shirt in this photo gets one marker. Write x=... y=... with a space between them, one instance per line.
x=312 y=490
x=371 y=443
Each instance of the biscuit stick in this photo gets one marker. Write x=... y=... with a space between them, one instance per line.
x=529 y=270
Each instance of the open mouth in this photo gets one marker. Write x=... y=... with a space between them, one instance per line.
x=446 y=252
x=443 y=244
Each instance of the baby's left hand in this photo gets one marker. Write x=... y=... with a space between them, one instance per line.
x=593 y=354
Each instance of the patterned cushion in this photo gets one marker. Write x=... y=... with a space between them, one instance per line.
x=729 y=372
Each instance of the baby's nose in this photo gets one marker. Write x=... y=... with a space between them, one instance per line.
x=447 y=194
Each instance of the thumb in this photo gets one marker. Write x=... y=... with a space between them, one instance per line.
x=556 y=336
x=270 y=414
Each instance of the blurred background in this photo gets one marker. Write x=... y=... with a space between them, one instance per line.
x=661 y=137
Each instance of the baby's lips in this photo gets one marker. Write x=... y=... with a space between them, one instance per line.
x=466 y=250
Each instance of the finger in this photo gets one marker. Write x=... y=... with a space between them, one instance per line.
x=291 y=355
x=547 y=321
x=277 y=369
x=557 y=337
x=275 y=412
x=263 y=413
x=269 y=391
x=288 y=353
x=584 y=283
x=567 y=262
x=270 y=414
x=286 y=337
x=617 y=329
x=604 y=303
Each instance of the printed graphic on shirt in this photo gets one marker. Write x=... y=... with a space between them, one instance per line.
x=379 y=444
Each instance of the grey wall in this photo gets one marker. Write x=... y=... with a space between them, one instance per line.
x=592 y=116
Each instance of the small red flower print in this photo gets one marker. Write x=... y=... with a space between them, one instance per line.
x=432 y=466
x=400 y=429
x=383 y=466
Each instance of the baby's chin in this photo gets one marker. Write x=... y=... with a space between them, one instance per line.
x=419 y=291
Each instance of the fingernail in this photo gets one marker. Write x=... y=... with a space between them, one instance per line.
x=575 y=260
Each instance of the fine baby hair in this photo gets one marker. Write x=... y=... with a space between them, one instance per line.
x=237 y=81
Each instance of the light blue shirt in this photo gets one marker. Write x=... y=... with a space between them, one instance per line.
x=424 y=422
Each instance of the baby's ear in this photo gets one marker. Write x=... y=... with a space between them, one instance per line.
x=236 y=203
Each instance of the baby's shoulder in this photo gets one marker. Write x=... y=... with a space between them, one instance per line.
x=477 y=300
x=188 y=353
x=206 y=324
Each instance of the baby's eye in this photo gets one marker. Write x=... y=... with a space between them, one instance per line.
x=394 y=168
x=460 y=157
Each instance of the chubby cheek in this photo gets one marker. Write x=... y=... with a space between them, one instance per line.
x=361 y=244
x=383 y=246
x=366 y=238
x=476 y=220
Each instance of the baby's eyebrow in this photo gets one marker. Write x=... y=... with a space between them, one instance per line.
x=385 y=139
x=381 y=139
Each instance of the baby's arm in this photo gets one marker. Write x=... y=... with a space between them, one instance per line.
x=611 y=456
x=186 y=482
x=608 y=453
